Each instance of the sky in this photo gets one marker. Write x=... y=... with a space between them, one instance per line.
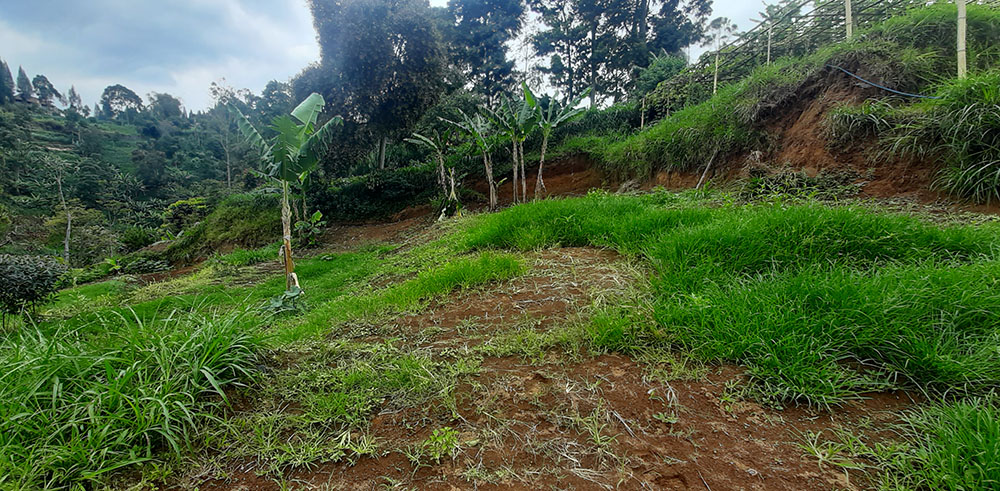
x=180 y=46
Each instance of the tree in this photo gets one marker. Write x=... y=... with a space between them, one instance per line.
x=438 y=143
x=119 y=100
x=660 y=69
x=164 y=106
x=46 y=91
x=605 y=44
x=24 y=89
x=6 y=84
x=548 y=119
x=478 y=37
x=289 y=157
x=381 y=64
x=478 y=129
x=75 y=102
x=516 y=120
x=59 y=170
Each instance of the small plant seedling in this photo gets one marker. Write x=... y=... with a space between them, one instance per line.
x=442 y=442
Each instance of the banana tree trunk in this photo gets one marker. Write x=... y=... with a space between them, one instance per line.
x=513 y=149
x=286 y=236
x=442 y=178
x=539 y=184
x=524 y=174
x=489 y=179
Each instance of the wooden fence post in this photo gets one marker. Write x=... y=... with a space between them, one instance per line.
x=962 y=61
x=849 y=19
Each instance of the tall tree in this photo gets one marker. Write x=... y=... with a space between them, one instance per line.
x=46 y=91
x=381 y=64
x=118 y=100
x=164 y=106
x=75 y=102
x=24 y=89
x=6 y=84
x=605 y=44
x=478 y=37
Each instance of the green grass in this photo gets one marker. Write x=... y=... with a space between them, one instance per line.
x=459 y=273
x=957 y=446
x=803 y=295
x=77 y=404
x=249 y=257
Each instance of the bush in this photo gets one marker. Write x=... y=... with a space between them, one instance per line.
x=135 y=238
x=183 y=213
x=242 y=220
x=5 y=222
x=378 y=194
x=27 y=282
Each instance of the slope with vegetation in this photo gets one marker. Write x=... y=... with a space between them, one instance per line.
x=769 y=333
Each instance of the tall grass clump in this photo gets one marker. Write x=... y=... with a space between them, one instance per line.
x=77 y=405
x=756 y=242
x=627 y=224
x=956 y=446
x=820 y=303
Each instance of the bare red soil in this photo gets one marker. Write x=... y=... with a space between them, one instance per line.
x=572 y=420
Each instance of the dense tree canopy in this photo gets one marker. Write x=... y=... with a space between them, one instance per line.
x=6 y=84
x=119 y=100
x=46 y=91
x=605 y=44
x=382 y=63
x=477 y=39
x=25 y=90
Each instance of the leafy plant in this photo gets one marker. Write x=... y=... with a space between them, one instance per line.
x=479 y=130
x=443 y=442
x=549 y=119
x=27 y=282
x=517 y=120
x=287 y=301
x=438 y=143
x=309 y=230
x=290 y=156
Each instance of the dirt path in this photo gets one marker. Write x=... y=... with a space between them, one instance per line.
x=561 y=418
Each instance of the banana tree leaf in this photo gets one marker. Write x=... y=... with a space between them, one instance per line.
x=308 y=111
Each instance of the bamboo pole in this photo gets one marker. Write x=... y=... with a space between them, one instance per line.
x=962 y=60
x=770 y=32
x=849 y=19
x=715 y=81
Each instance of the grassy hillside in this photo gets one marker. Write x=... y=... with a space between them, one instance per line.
x=822 y=305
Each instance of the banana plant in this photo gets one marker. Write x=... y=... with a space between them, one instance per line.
x=479 y=130
x=517 y=120
x=288 y=158
x=438 y=142
x=549 y=119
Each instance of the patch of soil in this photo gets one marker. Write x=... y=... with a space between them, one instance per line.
x=560 y=282
x=166 y=275
x=347 y=237
x=569 y=176
x=576 y=421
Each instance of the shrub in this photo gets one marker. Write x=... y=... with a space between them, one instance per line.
x=136 y=237
x=27 y=281
x=183 y=213
x=5 y=221
x=243 y=220
x=378 y=194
